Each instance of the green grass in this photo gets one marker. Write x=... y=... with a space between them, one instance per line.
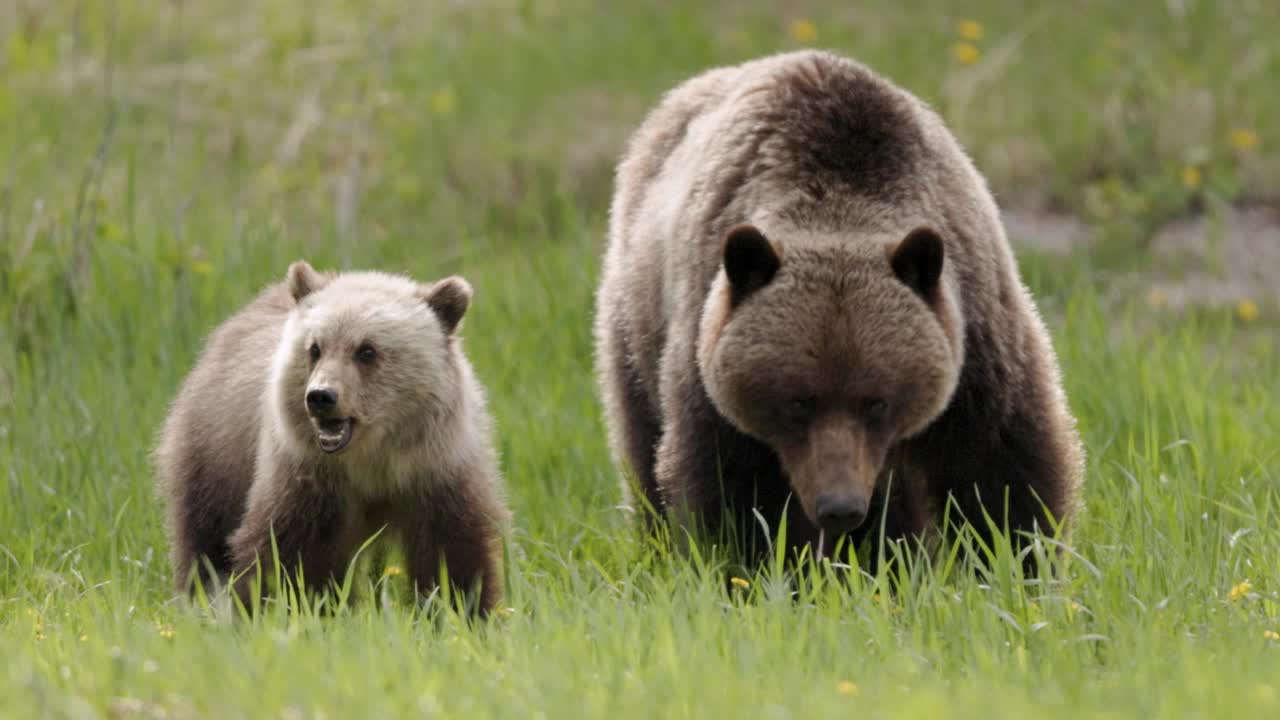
x=160 y=162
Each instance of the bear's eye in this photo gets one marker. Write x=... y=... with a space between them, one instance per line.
x=366 y=354
x=874 y=409
x=797 y=411
x=315 y=351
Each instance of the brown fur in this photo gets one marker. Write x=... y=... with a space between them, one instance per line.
x=792 y=241
x=239 y=457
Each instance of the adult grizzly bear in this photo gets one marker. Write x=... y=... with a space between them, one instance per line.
x=808 y=291
x=334 y=405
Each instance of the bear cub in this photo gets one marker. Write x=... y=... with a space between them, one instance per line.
x=808 y=309
x=333 y=406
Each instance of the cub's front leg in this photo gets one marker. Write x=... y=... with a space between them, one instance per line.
x=460 y=527
x=316 y=530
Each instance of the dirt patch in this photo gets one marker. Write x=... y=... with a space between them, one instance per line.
x=1205 y=260
x=1220 y=260
x=1047 y=231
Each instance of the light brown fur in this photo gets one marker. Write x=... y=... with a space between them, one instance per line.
x=240 y=459
x=875 y=323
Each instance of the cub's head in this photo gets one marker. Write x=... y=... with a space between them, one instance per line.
x=365 y=355
x=830 y=352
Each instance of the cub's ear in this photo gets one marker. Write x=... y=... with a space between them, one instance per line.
x=304 y=280
x=750 y=261
x=449 y=299
x=917 y=261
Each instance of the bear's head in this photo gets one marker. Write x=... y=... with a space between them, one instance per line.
x=831 y=352
x=366 y=357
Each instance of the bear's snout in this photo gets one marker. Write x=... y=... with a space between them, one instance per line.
x=839 y=513
x=321 y=401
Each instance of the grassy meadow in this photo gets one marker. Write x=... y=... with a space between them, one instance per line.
x=161 y=162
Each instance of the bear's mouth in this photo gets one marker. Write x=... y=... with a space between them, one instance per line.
x=333 y=435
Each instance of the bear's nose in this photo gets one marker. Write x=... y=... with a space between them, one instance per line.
x=840 y=513
x=321 y=400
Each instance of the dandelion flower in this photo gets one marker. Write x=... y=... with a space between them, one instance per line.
x=845 y=687
x=1244 y=139
x=970 y=29
x=740 y=583
x=1270 y=635
x=1191 y=177
x=1247 y=310
x=965 y=53
x=1240 y=590
x=803 y=31
x=442 y=101
x=392 y=571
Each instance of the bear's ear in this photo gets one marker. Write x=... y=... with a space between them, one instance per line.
x=304 y=280
x=449 y=299
x=750 y=261
x=917 y=261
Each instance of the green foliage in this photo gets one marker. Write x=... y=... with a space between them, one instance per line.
x=161 y=162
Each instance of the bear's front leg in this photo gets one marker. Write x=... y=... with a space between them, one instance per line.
x=1016 y=482
x=315 y=530
x=462 y=532
x=714 y=478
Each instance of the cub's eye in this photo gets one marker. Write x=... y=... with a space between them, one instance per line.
x=366 y=354
x=315 y=351
x=874 y=409
x=799 y=410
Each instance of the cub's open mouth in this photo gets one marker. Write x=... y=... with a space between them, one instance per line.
x=333 y=435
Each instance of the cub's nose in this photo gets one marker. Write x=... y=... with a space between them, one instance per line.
x=840 y=513
x=321 y=401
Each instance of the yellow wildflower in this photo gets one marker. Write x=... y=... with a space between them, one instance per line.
x=1247 y=310
x=803 y=30
x=965 y=53
x=740 y=583
x=39 y=635
x=166 y=631
x=970 y=29
x=1270 y=635
x=84 y=637
x=1157 y=298
x=1244 y=139
x=1240 y=590
x=845 y=687
x=392 y=571
x=1191 y=177
x=442 y=101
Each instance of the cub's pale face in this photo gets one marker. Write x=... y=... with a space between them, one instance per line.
x=830 y=362
x=369 y=366
x=366 y=356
